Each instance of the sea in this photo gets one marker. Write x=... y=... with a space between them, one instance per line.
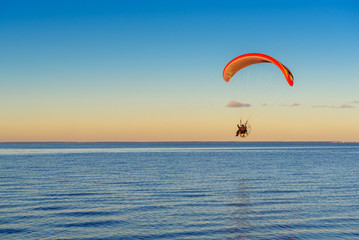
x=179 y=190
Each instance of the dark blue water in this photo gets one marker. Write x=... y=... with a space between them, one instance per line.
x=179 y=191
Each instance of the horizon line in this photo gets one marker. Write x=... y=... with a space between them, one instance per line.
x=291 y=141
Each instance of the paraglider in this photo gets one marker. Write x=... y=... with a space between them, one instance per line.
x=243 y=129
x=244 y=61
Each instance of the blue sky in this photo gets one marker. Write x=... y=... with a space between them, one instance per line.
x=132 y=60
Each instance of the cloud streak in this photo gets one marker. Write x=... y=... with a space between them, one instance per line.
x=329 y=106
x=235 y=104
x=282 y=105
x=345 y=106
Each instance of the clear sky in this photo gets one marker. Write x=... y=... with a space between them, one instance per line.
x=152 y=70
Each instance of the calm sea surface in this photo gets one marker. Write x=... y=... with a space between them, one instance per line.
x=179 y=191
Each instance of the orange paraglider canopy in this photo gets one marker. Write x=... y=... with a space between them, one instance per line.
x=248 y=59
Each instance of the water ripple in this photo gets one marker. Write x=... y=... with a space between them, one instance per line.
x=91 y=224
x=256 y=192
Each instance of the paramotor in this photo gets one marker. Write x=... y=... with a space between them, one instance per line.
x=244 y=61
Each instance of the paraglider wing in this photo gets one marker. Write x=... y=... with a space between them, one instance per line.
x=248 y=59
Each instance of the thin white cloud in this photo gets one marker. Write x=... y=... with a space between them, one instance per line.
x=281 y=105
x=235 y=104
x=328 y=106
x=345 y=106
x=321 y=106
